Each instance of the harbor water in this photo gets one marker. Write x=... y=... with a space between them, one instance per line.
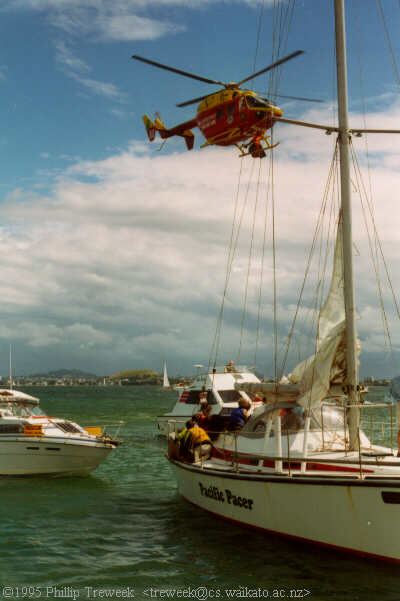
x=125 y=530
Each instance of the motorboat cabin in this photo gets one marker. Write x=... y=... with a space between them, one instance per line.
x=220 y=385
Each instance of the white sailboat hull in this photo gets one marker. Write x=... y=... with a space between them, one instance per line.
x=344 y=512
x=50 y=456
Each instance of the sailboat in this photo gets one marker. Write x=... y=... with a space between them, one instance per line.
x=303 y=466
x=166 y=383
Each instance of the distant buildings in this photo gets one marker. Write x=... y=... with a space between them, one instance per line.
x=124 y=378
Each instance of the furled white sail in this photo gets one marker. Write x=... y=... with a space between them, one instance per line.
x=327 y=366
x=166 y=383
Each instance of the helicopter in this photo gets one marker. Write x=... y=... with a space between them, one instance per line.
x=231 y=116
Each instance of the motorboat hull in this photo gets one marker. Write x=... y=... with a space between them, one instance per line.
x=50 y=456
x=345 y=512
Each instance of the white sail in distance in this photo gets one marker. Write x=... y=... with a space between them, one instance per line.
x=166 y=383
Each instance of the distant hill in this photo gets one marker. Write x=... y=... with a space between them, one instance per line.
x=137 y=376
x=65 y=373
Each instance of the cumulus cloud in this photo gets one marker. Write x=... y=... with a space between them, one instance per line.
x=125 y=259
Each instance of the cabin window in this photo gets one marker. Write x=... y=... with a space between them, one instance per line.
x=192 y=397
x=230 y=396
x=292 y=420
x=219 y=114
x=68 y=427
x=11 y=428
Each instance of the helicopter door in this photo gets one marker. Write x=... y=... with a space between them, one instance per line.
x=230 y=113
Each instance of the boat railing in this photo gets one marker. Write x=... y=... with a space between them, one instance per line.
x=354 y=464
x=334 y=440
x=359 y=464
x=114 y=433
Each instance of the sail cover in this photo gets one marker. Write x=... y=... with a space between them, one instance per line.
x=327 y=366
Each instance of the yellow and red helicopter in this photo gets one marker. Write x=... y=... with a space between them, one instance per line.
x=231 y=116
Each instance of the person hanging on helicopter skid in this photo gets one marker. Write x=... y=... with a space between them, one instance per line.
x=255 y=148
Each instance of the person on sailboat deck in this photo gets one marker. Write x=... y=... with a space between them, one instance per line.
x=200 y=442
x=292 y=419
x=230 y=367
x=184 y=440
x=240 y=415
x=203 y=416
x=259 y=398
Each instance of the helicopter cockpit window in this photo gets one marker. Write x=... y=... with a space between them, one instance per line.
x=253 y=102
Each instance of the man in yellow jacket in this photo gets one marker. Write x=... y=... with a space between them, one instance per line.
x=200 y=442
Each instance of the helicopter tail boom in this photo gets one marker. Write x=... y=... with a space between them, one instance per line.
x=183 y=130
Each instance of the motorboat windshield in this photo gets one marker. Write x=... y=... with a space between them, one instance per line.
x=19 y=409
x=14 y=403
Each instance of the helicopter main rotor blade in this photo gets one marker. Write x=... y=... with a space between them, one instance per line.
x=193 y=100
x=296 y=98
x=272 y=66
x=178 y=71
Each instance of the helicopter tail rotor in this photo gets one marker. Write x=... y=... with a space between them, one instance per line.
x=150 y=127
x=183 y=130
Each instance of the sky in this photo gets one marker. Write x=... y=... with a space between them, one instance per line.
x=114 y=250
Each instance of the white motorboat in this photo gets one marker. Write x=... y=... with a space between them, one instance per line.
x=303 y=466
x=221 y=395
x=31 y=443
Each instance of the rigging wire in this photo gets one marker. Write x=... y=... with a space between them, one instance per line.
x=259 y=308
x=281 y=24
x=369 y=196
x=323 y=262
x=275 y=300
x=259 y=26
x=317 y=231
x=217 y=332
x=389 y=41
x=362 y=191
x=231 y=256
x=249 y=264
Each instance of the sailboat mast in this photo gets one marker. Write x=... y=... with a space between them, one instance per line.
x=349 y=296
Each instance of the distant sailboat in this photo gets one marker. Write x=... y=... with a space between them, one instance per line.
x=166 y=383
